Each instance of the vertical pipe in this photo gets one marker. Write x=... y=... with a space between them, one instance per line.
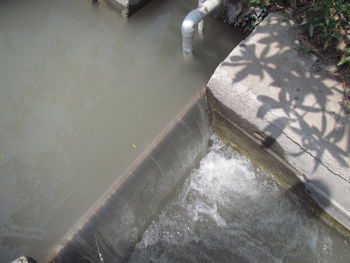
x=191 y=21
x=201 y=23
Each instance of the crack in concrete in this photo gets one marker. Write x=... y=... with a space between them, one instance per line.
x=312 y=155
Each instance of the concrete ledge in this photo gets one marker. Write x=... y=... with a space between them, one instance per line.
x=283 y=109
x=126 y=7
x=116 y=222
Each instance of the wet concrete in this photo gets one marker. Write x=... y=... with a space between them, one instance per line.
x=228 y=210
x=112 y=227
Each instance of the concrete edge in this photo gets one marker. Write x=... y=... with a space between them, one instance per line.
x=243 y=136
x=128 y=9
x=121 y=183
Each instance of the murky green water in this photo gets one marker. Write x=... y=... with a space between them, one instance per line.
x=82 y=92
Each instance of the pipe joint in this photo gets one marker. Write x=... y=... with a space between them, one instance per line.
x=192 y=19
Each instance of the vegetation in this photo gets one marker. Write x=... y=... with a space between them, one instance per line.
x=327 y=23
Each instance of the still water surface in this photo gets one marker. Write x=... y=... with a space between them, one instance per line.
x=82 y=93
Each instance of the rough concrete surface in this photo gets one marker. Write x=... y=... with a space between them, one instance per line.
x=126 y=7
x=289 y=104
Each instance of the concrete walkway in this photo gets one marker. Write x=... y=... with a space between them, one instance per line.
x=284 y=101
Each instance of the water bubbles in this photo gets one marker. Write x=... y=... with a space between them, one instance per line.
x=228 y=211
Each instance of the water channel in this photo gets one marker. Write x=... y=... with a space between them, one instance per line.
x=82 y=93
x=227 y=210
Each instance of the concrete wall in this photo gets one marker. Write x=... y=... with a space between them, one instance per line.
x=126 y=7
x=112 y=227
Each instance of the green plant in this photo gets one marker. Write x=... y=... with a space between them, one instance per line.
x=329 y=24
x=267 y=3
x=259 y=9
x=302 y=48
x=345 y=58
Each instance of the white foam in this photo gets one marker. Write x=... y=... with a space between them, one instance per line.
x=227 y=210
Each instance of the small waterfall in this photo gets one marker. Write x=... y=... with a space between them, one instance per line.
x=229 y=211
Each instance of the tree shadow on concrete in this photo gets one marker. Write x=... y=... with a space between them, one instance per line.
x=307 y=103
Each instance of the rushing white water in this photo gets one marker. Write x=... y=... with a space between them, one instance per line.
x=228 y=211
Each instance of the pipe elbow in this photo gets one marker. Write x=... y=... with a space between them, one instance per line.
x=189 y=23
x=187 y=28
x=192 y=19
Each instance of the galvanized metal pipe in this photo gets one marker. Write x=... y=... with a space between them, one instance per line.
x=192 y=19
